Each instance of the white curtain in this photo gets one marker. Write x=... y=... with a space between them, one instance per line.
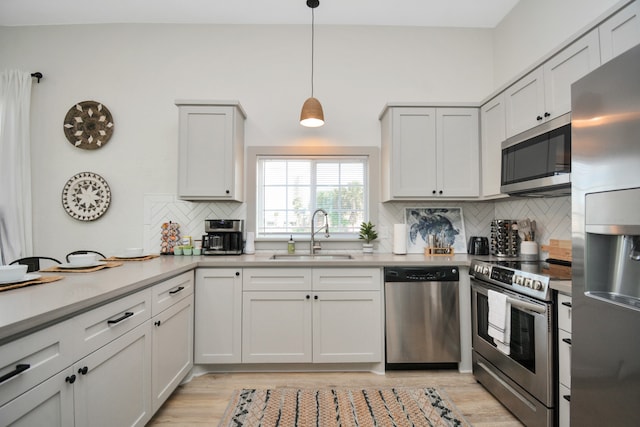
x=16 y=240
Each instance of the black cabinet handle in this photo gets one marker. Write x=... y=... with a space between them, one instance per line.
x=539 y=118
x=20 y=368
x=308 y=297
x=237 y=273
x=434 y=191
x=567 y=397
x=547 y=114
x=120 y=319
x=315 y=297
x=157 y=323
x=440 y=192
x=567 y=304
x=177 y=290
x=83 y=370
x=227 y=191
x=70 y=379
x=567 y=340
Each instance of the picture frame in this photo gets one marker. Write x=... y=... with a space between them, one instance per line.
x=446 y=223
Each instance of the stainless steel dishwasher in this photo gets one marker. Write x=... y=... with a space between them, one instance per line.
x=422 y=325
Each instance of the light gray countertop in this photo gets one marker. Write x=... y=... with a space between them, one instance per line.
x=32 y=307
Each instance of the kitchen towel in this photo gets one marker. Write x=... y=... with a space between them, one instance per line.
x=499 y=320
x=400 y=239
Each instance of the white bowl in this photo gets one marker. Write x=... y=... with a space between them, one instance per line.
x=12 y=272
x=133 y=252
x=80 y=260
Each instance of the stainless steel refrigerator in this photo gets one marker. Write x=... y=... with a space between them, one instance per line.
x=605 y=169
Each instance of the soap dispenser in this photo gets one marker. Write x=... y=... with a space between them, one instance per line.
x=291 y=246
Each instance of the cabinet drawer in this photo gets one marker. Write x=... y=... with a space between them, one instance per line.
x=564 y=312
x=171 y=291
x=33 y=358
x=565 y=406
x=273 y=279
x=346 y=279
x=106 y=323
x=564 y=358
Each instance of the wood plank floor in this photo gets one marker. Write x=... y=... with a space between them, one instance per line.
x=203 y=400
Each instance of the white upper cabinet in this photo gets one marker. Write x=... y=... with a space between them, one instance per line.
x=211 y=150
x=620 y=32
x=493 y=126
x=429 y=153
x=545 y=93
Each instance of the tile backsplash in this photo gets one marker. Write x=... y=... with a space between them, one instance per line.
x=552 y=216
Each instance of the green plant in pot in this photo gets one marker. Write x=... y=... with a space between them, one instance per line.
x=368 y=234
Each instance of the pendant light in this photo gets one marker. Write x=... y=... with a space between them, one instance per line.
x=312 y=114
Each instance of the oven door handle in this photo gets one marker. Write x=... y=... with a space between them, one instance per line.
x=527 y=305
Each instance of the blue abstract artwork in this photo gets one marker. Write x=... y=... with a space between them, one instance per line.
x=445 y=224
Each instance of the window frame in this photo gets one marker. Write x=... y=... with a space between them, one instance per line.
x=372 y=179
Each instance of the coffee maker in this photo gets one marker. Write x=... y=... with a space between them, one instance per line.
x=224 y=237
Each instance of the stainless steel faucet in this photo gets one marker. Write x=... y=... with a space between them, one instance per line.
x=315 y=246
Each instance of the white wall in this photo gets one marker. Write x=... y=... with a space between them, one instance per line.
x=534 y=28
x=138 y=71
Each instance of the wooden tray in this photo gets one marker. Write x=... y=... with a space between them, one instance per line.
x=438 y=251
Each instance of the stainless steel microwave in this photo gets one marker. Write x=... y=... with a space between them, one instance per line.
x=537 y=162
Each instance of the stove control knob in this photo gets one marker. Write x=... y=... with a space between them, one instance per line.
x=537 y=285
x=486 y=270
x=518 y=280
x=528 y=283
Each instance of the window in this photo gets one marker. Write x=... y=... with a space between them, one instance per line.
x=291 y=188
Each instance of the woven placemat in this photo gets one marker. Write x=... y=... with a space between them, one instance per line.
x=142 y=258
x=367 y=407
x=41 y=280
x=56 y=269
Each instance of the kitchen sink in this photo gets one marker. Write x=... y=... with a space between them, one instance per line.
x=309 y=257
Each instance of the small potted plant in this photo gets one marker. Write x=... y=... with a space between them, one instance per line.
x=368 y=234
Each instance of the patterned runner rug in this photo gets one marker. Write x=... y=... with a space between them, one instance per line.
x=340 y=407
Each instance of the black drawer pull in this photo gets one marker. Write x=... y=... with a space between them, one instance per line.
x=567 y=397
x=177 y=290
x=120 y=319
x=83 y=370
x=567 y=304
x=20 y=368
x=567 y=340
x=70 y=379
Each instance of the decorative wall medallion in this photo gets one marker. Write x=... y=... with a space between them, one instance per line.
x=86 y=196
x=88 y=125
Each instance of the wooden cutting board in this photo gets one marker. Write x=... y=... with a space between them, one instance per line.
x=559 y=249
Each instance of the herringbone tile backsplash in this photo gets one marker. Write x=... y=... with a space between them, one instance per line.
x=552 y=216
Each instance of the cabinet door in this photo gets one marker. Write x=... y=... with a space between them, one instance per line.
x=564 y=407
x=525 y=103
x=457 y=152
x=620 y=32
x=276 y=327
x=566 y=67
x=172 y=353
x=210 y=152
x=413 y=153
x=218 y=315
x=564 y=358
x=347 y=327
x=48 y=404
x=113 y=387
x=493 y=125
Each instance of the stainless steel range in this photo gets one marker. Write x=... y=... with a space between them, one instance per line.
x=522 y=375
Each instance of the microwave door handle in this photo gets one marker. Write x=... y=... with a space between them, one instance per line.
x=527 y=305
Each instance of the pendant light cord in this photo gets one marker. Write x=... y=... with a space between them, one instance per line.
x=312 y=45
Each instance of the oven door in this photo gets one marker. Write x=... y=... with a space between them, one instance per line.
x=530 y=362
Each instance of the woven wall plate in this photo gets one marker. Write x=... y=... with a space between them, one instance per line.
x=86 y=196
x=88 y=125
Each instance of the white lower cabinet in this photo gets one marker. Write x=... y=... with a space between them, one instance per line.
x=48 y=404
x=564 y=358
x=172 y=353
x=312 y=315
x=96 y=368
x=113 y=385
x=218 y=315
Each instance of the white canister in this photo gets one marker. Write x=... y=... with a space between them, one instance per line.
x=399 y=239
x=529 y=251
x=250 y=246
